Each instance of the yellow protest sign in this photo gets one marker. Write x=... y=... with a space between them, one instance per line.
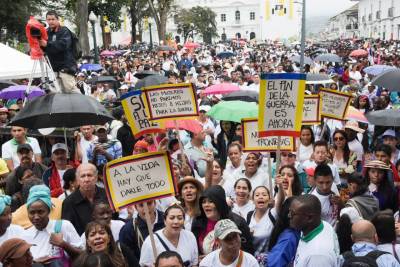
x=252 y=141
x=281 y=104
x=171 y=101
x=135 y=112
x=311 y=110
x=138 y=178
x=334 y=104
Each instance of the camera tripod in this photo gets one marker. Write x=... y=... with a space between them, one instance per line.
x=48 y=80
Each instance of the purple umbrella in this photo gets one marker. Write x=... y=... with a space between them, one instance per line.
x=107 y=53
x=18 y=91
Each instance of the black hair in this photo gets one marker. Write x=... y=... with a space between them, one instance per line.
x=68 y=177
x=244 y=180
x=362 y=183
x=321 y=143
x=20 y=171
x=385 y=226
x=310 y=203
x=28 y=185
x=52 y=13
x=168 y=254
x=297 y=188
x=343 y=231
x=173 y=206
x=261 y=186
x=323 y=170
x=281 y=223
x=306 y=127
x=97 y=259
x=384 y=148
x=346 y=149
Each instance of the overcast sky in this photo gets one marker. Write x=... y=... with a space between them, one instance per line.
x=327 y=7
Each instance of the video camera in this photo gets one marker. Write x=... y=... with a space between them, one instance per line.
x=35 y=30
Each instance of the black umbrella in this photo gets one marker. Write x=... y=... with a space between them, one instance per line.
x=61 y=110
x=386 y=117
x=328 y=58
x=151 y=80
x=389 y=79
x=242 y=95
x=101 y=79
x=144 y=74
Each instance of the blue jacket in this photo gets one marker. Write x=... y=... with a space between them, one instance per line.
x=284 y=250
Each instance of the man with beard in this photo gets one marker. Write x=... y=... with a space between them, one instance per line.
x=25 y=153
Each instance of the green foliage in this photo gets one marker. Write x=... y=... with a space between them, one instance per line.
x=200 y=19
x=111 y=9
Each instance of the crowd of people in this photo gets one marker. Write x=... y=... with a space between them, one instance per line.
x=334 y=201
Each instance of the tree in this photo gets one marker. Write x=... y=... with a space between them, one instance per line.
x=138 y=9
x=82 y=23
x=160 y=10
x=199 y=19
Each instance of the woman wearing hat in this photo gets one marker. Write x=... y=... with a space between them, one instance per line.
x=190 y=190
x=7 y=230
x=51 y=238
x=15 y=253
x=376 y=172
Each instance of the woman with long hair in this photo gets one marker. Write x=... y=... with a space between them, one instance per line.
x=307 y=140
x=242 y=204
x=99 y=238
x=362 y=104
x=342 y=157
x=224 y=139
x=189 y=190
x=291 y=183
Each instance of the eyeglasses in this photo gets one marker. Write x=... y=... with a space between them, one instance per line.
x=340 y=138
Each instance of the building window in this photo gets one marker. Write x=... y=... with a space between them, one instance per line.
x=252 y=15
x=237 y=15
x=223 y=17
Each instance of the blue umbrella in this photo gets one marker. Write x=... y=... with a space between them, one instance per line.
x=18 y=91
x=91 y=67
x=375 y=70
x=225 y=54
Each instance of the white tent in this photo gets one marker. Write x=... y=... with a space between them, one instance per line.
x=15 y=65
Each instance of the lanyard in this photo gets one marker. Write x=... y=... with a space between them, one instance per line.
x=239 y=263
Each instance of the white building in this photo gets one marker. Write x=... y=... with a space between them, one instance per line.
x=343 y=25
x=379 y=19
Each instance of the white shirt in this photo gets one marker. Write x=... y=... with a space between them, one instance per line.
x=115 y=227
x=243 y=210
x=212 y=260
x=187 y=248
x=328 y=212
x=41 y=239
x=85 y=144
x=13 y=231
x=9 y=150
x=322 y=250
x=389 y=248
x=262 y=230
x=61 y=174
x=305 y=152
x=335 y=172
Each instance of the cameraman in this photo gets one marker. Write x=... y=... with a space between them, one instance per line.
x=59 y=51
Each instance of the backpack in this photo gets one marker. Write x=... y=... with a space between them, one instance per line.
x=369 y=260
x=76 y=46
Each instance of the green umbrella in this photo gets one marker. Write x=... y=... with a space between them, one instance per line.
x=233 y=110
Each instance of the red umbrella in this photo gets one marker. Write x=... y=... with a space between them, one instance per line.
x=191 y=45
x=221 y=88
x=189 y=125
x=359 y=53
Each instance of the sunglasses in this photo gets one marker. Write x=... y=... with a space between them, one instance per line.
x=341 y=138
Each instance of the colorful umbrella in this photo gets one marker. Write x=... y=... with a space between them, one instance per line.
x=91 y=67
x=233 y=110
x=376 y=70
x=107 y=53
x=18 y=91
x=189 y=125
x=221 y=88
x=359 y=53
x=355 y=115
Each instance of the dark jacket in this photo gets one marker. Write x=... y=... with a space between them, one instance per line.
x=59 y=50
x=128 y=236
x=12 y=184
x=221 y=146
x=216 y=194
x=125 y=136
x=78 y=210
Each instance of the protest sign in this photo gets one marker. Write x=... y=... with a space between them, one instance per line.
x=135 y=112
x=281 y=104
x=252 y=141
x=311 y=110
x=334 y=104
x=137 y=178
x=171 y=101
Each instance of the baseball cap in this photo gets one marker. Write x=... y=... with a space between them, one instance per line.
x=13 y=248
x=59 y=146
x=389 y=133
x=224 y=227
x=24 y=146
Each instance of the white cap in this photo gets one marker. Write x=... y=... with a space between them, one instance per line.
x=124 y=87
x=59 y=146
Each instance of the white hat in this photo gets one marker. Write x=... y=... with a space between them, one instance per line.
x=205 y=108
x=390 y=133
x=59 y=146
x=124 y=87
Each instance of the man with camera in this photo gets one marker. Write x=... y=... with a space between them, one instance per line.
x=59 y=49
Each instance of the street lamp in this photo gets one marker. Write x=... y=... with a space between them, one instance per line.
x=210 y=26
x=303 y=35
x=93 y=20
x=151 y=38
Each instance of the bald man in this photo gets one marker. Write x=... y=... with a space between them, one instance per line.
x=78 y=207
x=364 y=236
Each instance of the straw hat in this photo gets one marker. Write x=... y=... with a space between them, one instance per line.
x=192 y=180
x=354 y=126
x=377 y=164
